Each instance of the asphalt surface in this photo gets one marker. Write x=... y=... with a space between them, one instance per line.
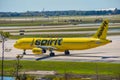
x=107 y=53
x=36 y=29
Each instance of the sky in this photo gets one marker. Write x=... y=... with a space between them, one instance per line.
x=52 y=5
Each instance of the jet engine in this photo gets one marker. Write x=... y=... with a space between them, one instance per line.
x=37 y=51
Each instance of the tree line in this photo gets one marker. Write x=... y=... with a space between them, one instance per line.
x=59 y=13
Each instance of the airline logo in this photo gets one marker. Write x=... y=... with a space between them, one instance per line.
x=48 y=42
x=102 y=29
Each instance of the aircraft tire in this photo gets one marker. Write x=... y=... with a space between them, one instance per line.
x=24 y=53
x=67 y=52
x=44 y=51
x=52 y=54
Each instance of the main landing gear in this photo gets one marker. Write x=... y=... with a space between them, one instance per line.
x=52 y=53
x=67 y=52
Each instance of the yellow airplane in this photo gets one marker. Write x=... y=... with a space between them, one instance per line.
x=40 y=45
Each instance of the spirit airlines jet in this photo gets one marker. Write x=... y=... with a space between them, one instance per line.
x=40 y=45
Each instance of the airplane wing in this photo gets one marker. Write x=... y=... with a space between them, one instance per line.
x=38 y=49
x=46 y=47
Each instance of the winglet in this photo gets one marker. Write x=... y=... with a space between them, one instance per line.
x=102 y=31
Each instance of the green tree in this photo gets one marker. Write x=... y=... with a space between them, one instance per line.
x=5 y=34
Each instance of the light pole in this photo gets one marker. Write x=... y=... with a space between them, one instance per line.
x=2 y=63
x=3 y=37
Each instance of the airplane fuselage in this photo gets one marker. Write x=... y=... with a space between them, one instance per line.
x=61 y=44
x=40 y=45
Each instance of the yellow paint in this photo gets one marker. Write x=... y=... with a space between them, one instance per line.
x=62 y=44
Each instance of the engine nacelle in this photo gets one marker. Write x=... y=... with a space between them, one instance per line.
x=37 y=50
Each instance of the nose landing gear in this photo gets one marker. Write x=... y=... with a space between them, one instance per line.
x=24 y=53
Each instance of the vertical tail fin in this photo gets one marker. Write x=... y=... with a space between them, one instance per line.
x=102 y=31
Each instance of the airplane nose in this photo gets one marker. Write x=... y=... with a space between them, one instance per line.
x=15 y=45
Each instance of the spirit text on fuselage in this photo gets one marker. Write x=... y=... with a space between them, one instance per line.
x=50 y=41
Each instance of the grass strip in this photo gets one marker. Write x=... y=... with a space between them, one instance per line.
x=62 y=67
x=67 y=30
x=48 y=36
x=30 y=23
